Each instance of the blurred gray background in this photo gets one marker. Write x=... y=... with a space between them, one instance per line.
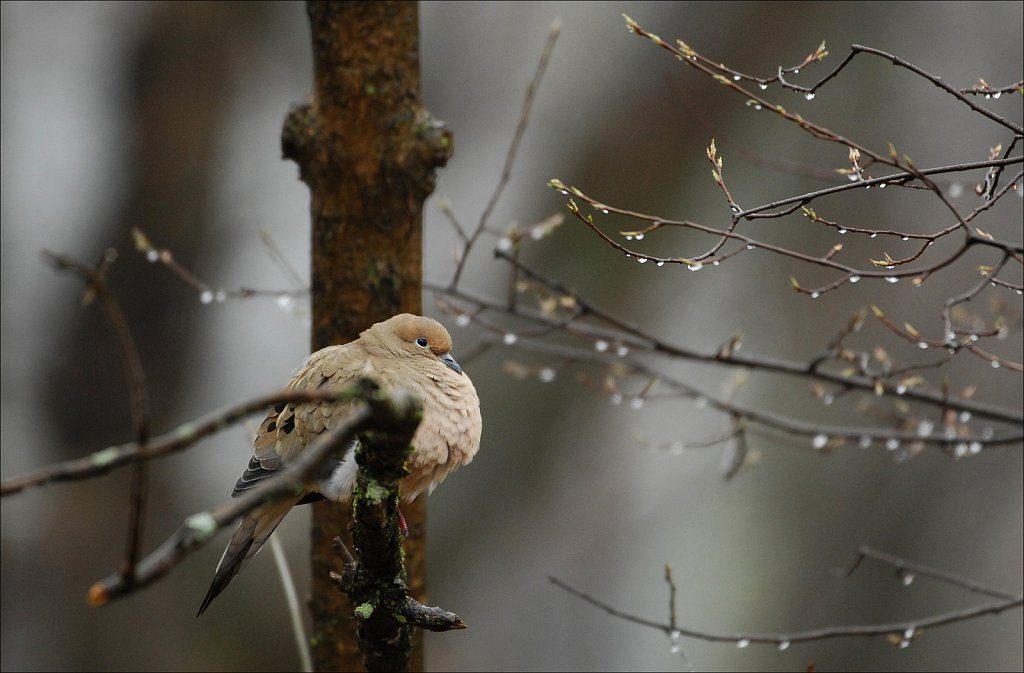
x=167 y=117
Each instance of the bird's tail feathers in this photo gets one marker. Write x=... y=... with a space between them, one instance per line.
x=254 y=529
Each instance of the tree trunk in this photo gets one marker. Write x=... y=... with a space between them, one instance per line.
x=367 y=150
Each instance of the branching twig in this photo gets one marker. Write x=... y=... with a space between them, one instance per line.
x=96 y=286
x=902 y=633
x=208 y=294
x=639 y=339
x=506 y=171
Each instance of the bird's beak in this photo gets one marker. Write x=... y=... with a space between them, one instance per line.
x=449 y=361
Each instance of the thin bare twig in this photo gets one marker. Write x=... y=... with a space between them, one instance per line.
x=907 y=570
x=640 y=339
x=510 y=159
x=180 y=438
x=207 y=293
x=96 y=286
x=901 y=632
x=199 y=528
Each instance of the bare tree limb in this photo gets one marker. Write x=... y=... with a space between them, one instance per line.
x=907 y=570
x=902 y=633
x=182 y=437
x=199 y=528
x=96 y=286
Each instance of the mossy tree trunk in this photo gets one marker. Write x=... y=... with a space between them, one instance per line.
x=368 y=152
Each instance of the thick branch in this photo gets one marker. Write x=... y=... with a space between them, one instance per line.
x=375 y=578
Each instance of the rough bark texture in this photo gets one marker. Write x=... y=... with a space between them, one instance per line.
x=367 y=150
x=376 y=583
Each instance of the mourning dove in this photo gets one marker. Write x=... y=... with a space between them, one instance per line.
x=406 y=351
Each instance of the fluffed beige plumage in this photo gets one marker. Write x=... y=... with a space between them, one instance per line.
x=407 y=351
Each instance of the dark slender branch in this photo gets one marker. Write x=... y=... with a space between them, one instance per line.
x=513 y=150
x=993 y=92
x=208 y=294
x=199 y=528
x=900 y=631
x=282 y=262
x=671 y=597
x=970 y=294
x=642 y=340
x=729 y=77
x=180 y=438
x=896 y=60
x=749 y=243
x=815 y=431
x=637 y=340
x=892 y=179
x=907 y=570
x=96 y=286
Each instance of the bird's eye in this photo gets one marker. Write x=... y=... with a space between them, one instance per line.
x=422 y=342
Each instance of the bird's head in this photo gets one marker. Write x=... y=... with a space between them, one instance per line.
x=418 y=336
